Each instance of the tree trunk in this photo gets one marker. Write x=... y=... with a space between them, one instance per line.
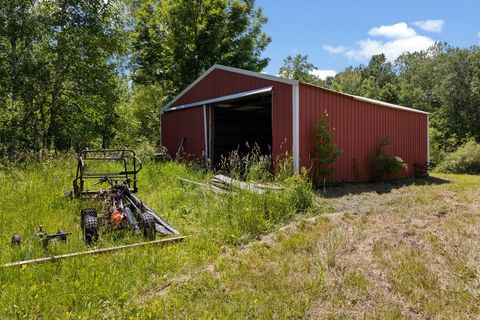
x=55 y=101
x=14 y=94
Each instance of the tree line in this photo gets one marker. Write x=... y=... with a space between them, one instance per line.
x=80 y=74
x=59 y=83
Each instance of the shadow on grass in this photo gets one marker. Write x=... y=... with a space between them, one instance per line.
x=342 y=189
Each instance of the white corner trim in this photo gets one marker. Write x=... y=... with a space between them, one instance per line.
x=428 y=141
x=205 y=133
x=296 y=127
x=233 y=70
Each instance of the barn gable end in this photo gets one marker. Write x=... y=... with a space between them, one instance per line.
x=223 y=81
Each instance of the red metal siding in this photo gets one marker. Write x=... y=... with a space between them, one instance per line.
x=221 y=83
x=358 y=128
x=183 y=123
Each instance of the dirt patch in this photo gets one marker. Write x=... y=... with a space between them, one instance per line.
x=270 y=240
x=162 y=290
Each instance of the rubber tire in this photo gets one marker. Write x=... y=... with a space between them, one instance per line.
x=147 y=224
x=90 y=229
x=88 y=212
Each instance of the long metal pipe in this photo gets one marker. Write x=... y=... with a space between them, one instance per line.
x=96 y=251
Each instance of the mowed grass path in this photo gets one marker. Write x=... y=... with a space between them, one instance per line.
x=378 y=251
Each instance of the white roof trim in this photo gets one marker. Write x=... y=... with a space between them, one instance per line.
x=221 y=99
x=386 y=104
x=234 y=70
x=372 y=101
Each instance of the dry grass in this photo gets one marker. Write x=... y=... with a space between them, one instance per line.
x=414 y=248
x=385 y=252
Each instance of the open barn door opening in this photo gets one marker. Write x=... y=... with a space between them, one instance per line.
x=241 y=124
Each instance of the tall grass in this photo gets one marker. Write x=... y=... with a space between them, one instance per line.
x=88 y=287
x=254 y=165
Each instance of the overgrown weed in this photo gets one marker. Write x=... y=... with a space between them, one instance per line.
x=87 y=287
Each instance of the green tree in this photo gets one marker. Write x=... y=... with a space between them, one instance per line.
x=325 y=152
x=140 y=117
x=20 y=29
x=298 y=68
x=150 y=54
x=82 y=43
x=59 y=74
x=348 y=81
x=176 y=41
x=459 y=90
x=377 y=80
x=444 y=81
x=418 y=77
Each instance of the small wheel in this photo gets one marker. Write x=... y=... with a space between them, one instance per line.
x=147 y=224
x=90 y=229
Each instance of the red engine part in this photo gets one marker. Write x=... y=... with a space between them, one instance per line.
x=117 y=217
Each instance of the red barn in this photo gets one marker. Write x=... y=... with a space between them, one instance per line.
x=227 y=107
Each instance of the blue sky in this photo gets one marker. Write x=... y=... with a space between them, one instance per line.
x=339 y=33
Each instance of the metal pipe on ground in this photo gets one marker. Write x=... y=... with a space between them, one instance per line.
x=96 y=251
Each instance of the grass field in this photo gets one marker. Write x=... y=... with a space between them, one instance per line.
x=383 y=251
x=94 y=286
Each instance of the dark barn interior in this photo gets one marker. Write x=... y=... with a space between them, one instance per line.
x=240 y=124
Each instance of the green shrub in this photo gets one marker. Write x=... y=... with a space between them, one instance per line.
x=300 y=193
x=385 y=166
x=466 y=159
x=325 y=153
x=299 y=189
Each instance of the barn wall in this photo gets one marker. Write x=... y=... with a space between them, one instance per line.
x=358 y=128
x=183 y=123
x=221 y=83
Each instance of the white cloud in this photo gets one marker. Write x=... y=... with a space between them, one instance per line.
x=430 y=25
x=391 y=49
x=398 y=30
x=323 y=74
x=479 y=34
x=400 y=38
x=333 y=49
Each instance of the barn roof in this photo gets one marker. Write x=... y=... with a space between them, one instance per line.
x=169 y=107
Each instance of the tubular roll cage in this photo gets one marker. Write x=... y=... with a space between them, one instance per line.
x=125 y=155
